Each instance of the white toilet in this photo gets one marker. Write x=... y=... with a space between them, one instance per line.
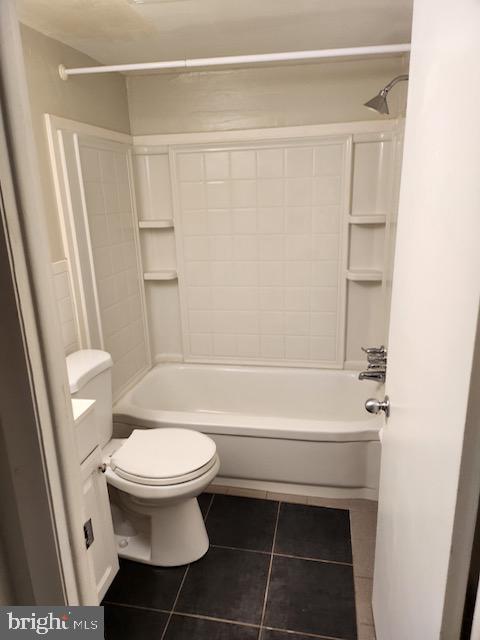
x=154 y=476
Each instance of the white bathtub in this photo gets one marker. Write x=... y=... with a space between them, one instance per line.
x=292 y=430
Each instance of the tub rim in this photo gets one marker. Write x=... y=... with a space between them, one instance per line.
x=226 y=423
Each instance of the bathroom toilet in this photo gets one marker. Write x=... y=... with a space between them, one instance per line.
x=154 y=475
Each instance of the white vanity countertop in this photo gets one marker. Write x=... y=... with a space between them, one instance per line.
x=81 y=407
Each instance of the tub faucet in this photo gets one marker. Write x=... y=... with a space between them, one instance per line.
x=378 y=375
x=377 y=364
x=375 y=352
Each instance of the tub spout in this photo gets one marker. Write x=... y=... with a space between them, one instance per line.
x=373 y=374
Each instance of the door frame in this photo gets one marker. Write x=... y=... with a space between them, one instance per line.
x=466 y=511
x=46 y=420
x=44 y=492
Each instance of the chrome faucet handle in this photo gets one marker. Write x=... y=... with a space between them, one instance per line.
x=374 y=351
x=377 y=366
x=378 y=375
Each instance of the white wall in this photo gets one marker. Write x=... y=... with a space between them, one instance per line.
x=64 y=299
x=264 y=96
x=100 y=101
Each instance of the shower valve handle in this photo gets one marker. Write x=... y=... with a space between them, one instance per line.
x=374 y=351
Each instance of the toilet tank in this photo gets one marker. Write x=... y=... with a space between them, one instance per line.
x=90 y=376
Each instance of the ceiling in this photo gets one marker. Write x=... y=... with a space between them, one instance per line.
x=120 y=31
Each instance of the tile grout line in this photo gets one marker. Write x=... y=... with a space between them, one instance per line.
x=267 y=586
x=283 y=555
x=326 y=502
x=174 y=604
x=355 y=576
x=307 y=559
x=355 y=600
x=209 y=507
x=216 y=619
x=223 y=546
x=261 y=628
x=200 y=616
x=183 y=580
x=304 y=633
x=135 y=606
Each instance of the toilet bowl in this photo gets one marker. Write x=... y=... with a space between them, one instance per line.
x=154 y=475
x=159 y=473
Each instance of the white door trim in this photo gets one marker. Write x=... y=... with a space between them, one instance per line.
x=468 y=496
x=30 y=264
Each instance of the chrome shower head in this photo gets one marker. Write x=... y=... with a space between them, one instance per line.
x=379 y=102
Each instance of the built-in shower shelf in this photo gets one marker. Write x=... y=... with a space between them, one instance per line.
x=164 y=274
x=364 y=275
x=376 y=219
x=155 y=224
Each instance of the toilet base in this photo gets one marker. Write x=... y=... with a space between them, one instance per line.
x=176 y=536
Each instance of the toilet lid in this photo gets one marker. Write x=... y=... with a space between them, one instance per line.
x=164 y=456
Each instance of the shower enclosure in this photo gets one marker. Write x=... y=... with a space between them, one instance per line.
x=262 y=248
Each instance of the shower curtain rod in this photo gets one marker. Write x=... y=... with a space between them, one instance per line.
x=376 y=50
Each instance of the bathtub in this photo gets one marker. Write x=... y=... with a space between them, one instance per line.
x=277 y=429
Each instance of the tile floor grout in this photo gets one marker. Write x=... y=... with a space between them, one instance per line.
x=135 y=606
x=175 y=603
x=209 y=507
x=284 y=555
x=267 y=586
x=261 y=626
x=214 y=619
x=184 y=578
x=348 y=504
x=225 y=620
x=303 y=633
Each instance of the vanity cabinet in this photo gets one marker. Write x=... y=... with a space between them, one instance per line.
x=98 y=527
x=102 y=555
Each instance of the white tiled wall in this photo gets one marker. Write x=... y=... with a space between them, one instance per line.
x=372 y=186
x=259 y=240
x=154 y=202
x=111 y=223
x=66 y=313
x=152 y=174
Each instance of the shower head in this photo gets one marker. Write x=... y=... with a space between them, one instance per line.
x=379 y=102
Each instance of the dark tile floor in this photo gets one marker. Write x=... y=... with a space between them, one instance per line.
x=274 y=571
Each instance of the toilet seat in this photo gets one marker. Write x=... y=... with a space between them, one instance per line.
x=161 y=457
